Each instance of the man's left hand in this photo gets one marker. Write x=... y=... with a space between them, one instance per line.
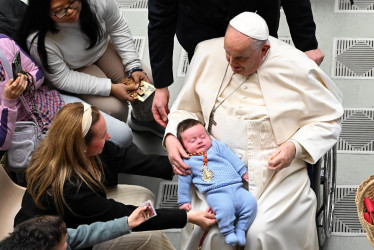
x=282 y=157
x=316 y=55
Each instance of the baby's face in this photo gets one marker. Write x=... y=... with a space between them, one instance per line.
x=196 y=139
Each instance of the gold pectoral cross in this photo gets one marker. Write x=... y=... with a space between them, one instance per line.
x=211 y=122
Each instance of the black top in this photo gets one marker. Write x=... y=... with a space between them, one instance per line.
x=90 y=207
x=194 y=21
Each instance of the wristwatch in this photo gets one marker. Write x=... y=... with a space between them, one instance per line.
x=134 y=70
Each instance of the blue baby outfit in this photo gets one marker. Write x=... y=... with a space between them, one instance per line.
x=224 y=193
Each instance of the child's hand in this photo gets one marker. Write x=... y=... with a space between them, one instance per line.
x=13 y=89
x=137 y=217
x=245 y=176
x=186 y=206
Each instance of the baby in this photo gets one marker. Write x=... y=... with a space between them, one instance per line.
x=217 y=172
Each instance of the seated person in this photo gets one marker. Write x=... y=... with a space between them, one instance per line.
x=12 y=109
x=86 y=49
x=217 y=172
x=65 y=177
x=50 y=232
x=277 y=110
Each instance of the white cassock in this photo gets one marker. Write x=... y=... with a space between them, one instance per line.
x=288 y=98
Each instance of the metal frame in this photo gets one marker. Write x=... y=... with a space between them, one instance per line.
x=324 y=185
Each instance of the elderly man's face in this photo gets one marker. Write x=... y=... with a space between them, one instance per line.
x=243 y=59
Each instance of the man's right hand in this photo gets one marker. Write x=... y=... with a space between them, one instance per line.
x=160 y=108
x=175 y=151
x=121 y=91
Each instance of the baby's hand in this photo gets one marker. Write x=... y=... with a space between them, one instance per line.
x=186 y=206
x=245 y=176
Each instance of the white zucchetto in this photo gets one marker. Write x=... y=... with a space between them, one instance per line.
x=251 y=24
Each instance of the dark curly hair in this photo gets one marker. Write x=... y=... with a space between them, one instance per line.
x=39 y=233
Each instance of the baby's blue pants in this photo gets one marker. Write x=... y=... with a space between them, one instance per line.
x=229 y=202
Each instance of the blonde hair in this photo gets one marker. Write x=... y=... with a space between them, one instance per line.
x=61 y=155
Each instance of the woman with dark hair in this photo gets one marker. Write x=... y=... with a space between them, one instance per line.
x=86 y=48
x=65 y=178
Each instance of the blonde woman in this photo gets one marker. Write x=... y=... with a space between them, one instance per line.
x=65 y=177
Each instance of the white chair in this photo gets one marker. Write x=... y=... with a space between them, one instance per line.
x=10 y=202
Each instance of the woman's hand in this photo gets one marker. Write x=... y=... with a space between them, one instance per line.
x=139 y=76
x=121 y=91
x=203 y=219
x=13 y=89
x=282 y=157
x=175 y=151
x=137 y=217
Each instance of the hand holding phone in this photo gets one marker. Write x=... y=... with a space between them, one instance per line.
x=14 y=88
x=16 y=65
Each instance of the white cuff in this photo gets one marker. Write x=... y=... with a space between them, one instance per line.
x=299 y=149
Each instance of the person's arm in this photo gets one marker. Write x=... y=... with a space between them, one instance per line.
x=301 y=24
x=175 y=153
x=188 y=105
x=160 y=106
x=316 y=109
x=95 y=233
x=90 y=207
x=184 y=185
x=8 y=109
x=8 y=116
x=299 y=17
x=120 y=35
x=63 y=78
x=28 y=64
x=163 y=18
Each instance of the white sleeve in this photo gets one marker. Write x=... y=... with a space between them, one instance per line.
x=120 y=35
x=310 y=137
x=63 y=78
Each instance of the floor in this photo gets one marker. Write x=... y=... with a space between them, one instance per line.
x=337 y=22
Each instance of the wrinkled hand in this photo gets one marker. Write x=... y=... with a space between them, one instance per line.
x=13 y=89
x=175 y=151
x=136 y=217
x=160 y=108
x=121 y=91
x=245 y=176
x=316 y=55
x=139 y=76
x=282 y=157
x=203 y=219
x=186 y=206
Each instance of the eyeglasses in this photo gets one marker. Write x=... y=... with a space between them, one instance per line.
x=62 y=12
